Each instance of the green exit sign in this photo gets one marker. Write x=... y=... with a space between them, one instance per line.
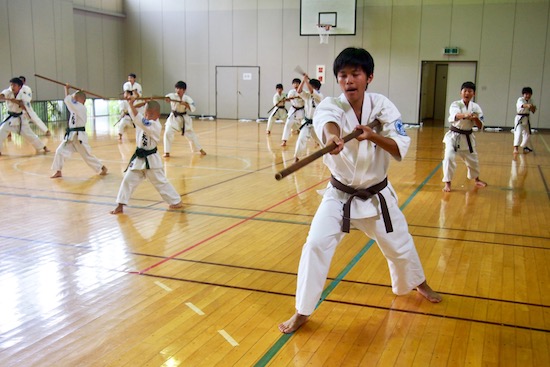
x=451 y=50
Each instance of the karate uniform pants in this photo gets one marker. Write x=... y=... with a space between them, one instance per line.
x=521 y=135
x=174 y=126
x=295 y=117
x=66 y=149
x=124 y=123
x=325 y=234
x=276 y=114
x=132 y=179
x=26 y=132
x=306 y=133
x=449 y=163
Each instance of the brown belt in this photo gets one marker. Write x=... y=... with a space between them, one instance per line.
x=363 y=194
x=464 y=132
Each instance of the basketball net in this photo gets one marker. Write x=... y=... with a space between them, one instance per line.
x=324 y=32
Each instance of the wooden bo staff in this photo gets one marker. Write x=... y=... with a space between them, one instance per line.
x=321 y=152
x=70 y=86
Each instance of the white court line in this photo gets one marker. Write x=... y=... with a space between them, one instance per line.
x=163 y=286
x=194 y=308
x=228 y=337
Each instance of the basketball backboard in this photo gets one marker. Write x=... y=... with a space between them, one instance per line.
x=339 y=14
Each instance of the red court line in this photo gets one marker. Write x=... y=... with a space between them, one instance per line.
x=225 y=230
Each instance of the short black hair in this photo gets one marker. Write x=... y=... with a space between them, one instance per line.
x=23 y=79
x=527 y=90
x=17 y=81
x=315 y=83
x=356 y=57
x=181 y=85
x=468 y=85
x=279 y=86
x=296 y=80
x=132 y=75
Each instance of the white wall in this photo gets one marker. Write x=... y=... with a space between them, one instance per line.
x=167 y=40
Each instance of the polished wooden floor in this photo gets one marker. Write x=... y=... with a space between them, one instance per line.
x=207 y=285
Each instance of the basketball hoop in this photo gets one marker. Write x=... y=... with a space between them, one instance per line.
x=324 y=32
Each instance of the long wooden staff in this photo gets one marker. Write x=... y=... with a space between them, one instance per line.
x=70 y=86
x=318 y=154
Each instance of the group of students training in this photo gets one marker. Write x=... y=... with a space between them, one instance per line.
x=144 y=116
x=358 y=194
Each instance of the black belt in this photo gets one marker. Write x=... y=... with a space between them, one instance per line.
x=528 y=122
x=142 y=153
x=181 y=114
x=363 y=194
x=10 y=115
x=306 y=123
x=464 y=132
x=298 y=108
x=69 y=129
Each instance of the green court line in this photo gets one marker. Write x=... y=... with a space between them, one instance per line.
x=266 y=358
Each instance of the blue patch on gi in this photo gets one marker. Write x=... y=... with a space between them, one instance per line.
x=400 y=128
x=145 y=121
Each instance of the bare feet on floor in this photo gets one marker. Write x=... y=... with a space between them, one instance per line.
x=48 y=133
x=447 y=187
x=296 y=159
x=119 y=136
x=119 y=209
x=480 y=183
x=268 y=132
x=46 y=150
x=103 y=171
x=202 y=152
x=176 y=206
x=56 y=174
x=292 y=324
x=283 y=144
x=166 y=155
x=428 y=293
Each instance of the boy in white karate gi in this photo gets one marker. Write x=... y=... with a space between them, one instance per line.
x=146 y=162
x=17 y=122
x=76 y=139
x=179 y=120
x=460 y=140
x=358 y=166
x=522 y=125
x=312 y=97
x=279 y=111
x=296 y=113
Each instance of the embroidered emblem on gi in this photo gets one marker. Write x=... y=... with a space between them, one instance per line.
x=400 y=128
x=145 y=121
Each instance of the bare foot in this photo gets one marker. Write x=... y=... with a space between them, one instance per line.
x=166 y=155
x=292 y=324
x=46 y=150
x=103 y=171
x=516 y=151
x=119 y=209
x=119 y=136
x=283 y=144
x=428 y=293
x=447 y=187
x=296 y=159
x=56 y=175
x=480 y=183
x=268 y=132
x=48 y=133
x=202 y=152
x=176 y=206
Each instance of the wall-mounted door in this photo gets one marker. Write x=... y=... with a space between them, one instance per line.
x=238 y=92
